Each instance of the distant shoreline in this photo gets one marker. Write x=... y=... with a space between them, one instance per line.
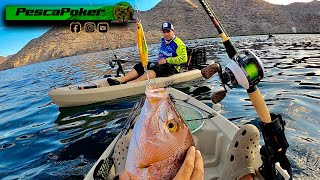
x=190 y=22
x=217 y=36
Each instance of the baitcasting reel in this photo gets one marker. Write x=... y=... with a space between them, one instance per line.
x=112 y=64
x=245 y=70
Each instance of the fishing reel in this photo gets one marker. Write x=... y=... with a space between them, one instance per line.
x=245 y=70
x=113 y=63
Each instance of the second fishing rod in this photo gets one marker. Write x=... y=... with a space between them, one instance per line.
x=246 y=70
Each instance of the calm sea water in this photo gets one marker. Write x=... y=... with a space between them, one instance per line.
x=40 y=141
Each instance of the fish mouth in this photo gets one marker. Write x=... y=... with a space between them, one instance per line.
x=156 y=94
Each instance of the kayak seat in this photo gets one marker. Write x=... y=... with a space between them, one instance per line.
x=243 y=155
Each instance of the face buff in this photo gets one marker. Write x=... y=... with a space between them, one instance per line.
x=169 y=41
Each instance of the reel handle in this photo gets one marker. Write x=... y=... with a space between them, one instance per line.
x=218 y=96
x=259 y=104
x=210 y=70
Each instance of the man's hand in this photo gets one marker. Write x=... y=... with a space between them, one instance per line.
x=162 y=61
x=192 y=167
x=127 y=176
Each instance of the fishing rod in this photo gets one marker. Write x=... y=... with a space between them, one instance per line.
x=120 y=68
x=246 y=69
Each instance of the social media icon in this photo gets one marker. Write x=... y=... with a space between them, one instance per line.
x=89 y=27
x=103 y=27
x=75 y=27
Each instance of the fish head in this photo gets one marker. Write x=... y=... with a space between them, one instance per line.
x=160 y=133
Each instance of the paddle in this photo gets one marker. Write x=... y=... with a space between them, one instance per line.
x=246 y=70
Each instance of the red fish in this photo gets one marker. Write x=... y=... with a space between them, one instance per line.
x=160 y=139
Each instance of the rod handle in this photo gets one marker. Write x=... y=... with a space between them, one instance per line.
x=260 y=106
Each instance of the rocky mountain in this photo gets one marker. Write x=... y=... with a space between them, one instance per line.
x=239 y=17
x=2 y=59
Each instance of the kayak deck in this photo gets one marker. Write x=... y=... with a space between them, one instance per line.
x=212 y=138
x=74 y=96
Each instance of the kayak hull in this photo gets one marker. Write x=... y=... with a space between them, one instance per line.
x=72 y=96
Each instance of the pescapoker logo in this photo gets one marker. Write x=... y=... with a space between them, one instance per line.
x=122 y=11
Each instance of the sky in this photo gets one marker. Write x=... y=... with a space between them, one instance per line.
x=12 y=39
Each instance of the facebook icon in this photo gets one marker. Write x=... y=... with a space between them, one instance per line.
x=75 y=27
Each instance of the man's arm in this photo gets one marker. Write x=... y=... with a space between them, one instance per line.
x=181 y=54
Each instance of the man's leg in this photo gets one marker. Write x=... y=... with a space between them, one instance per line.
x=157 y=71
x=151 y=74
x=133 y=74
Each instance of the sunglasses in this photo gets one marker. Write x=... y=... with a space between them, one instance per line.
x=166 y=31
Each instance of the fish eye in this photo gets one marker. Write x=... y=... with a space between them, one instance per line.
x=172 y=126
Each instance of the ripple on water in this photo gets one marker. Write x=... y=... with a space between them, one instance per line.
x=24 y=137
x=6 y=145
x=71 y=125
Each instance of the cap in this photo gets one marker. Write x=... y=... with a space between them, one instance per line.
x=167 y=26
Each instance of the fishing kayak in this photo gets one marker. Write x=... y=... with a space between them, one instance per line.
x=212 y=134
x=100 y=90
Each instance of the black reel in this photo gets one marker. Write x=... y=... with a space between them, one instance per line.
x=119 y=69
x=245 y=70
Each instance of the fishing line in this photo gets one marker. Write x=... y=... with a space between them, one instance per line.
x=111 y=47
x=208 y=117
x=137 y=10
x=90 y=2
x=148 y=83
x=187 y=101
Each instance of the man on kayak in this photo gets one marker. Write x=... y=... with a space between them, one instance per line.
x=172 y=53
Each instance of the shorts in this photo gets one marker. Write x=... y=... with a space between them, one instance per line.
x=162 y=70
